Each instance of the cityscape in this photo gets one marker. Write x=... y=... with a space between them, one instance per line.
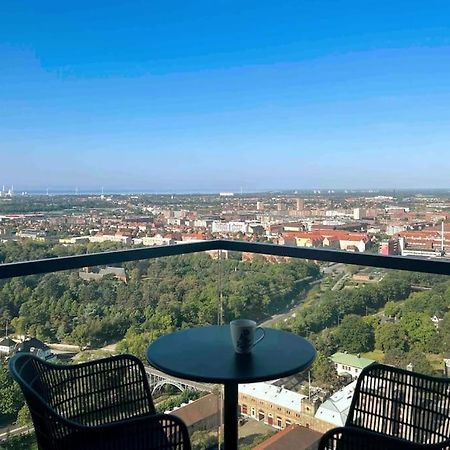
x=355 y=316
x=224 y=225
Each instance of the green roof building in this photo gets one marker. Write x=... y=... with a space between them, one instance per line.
x=347 y=363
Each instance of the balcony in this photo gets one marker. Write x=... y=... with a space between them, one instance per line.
x=320 y=309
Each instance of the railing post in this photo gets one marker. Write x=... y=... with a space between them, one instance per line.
x=220 y=288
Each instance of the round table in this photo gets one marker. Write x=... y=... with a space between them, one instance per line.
x=206 y=354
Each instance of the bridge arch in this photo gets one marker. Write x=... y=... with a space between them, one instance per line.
x=164 y=382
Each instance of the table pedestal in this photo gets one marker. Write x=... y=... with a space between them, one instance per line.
x=231 y=416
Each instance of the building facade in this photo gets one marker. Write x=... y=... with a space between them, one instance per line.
x=347 y=363
x=279 y=407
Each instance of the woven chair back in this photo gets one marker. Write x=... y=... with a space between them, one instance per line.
x=94 y=393
x=402 y=404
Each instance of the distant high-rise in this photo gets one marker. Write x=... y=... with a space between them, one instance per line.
x=10 y=192
x=259 y=206
x=300 y=204
x=358 y=213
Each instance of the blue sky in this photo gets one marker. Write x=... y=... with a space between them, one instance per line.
x=219 y=95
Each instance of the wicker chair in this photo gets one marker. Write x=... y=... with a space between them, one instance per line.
x=103 y=404
x=394 y=409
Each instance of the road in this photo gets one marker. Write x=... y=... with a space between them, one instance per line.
x=338 y=268
x=340 y=283
x=290 y=313
x=15 y=431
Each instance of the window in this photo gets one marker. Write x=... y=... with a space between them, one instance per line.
x=261 y=415
x=279 y=422
x=253 y=412
x=288 y=422
x=244 y=409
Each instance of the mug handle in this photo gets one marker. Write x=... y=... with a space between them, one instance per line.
x=260 y=338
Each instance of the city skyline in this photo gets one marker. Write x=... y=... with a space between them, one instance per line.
x=210 y=98
x=96 y=190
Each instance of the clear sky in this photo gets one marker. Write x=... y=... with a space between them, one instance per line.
x=220 y=94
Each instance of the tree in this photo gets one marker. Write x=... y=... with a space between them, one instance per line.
x=394 y=357
x=22 y=442
x=354 y=335
x=325 y=342
x=11 y=398
x=135 y=342
x=392 y=309
x=416 y=359
x=81 y=336
x=24 y=416
x=419 y=362
x=420 y=331
x=390 y=336
x=444 y=332
x=203 y=440
x=324 y=371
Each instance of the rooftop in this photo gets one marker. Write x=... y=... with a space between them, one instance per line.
x=293 y=437
x=335 y=409
x=348 y=359
x=198 y=410
x=7 y=342
x=273 y=394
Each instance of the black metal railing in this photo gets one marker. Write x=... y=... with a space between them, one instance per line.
x=410 y=264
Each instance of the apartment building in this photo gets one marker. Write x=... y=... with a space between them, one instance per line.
x=279 y=407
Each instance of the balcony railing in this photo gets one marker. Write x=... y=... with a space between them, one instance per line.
x=17 y=269
x=410 y=264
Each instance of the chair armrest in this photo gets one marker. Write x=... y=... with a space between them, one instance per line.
x=151 y=432
x=352 y=438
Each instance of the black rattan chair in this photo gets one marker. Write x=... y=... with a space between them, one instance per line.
x=102 y=404
x=394 y=409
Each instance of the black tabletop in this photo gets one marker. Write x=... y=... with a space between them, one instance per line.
x=206 y=354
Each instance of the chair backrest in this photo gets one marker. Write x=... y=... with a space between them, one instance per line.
x=93 y=393
x=401 y=403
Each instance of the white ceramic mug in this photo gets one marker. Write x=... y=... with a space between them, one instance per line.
x=243 y=335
